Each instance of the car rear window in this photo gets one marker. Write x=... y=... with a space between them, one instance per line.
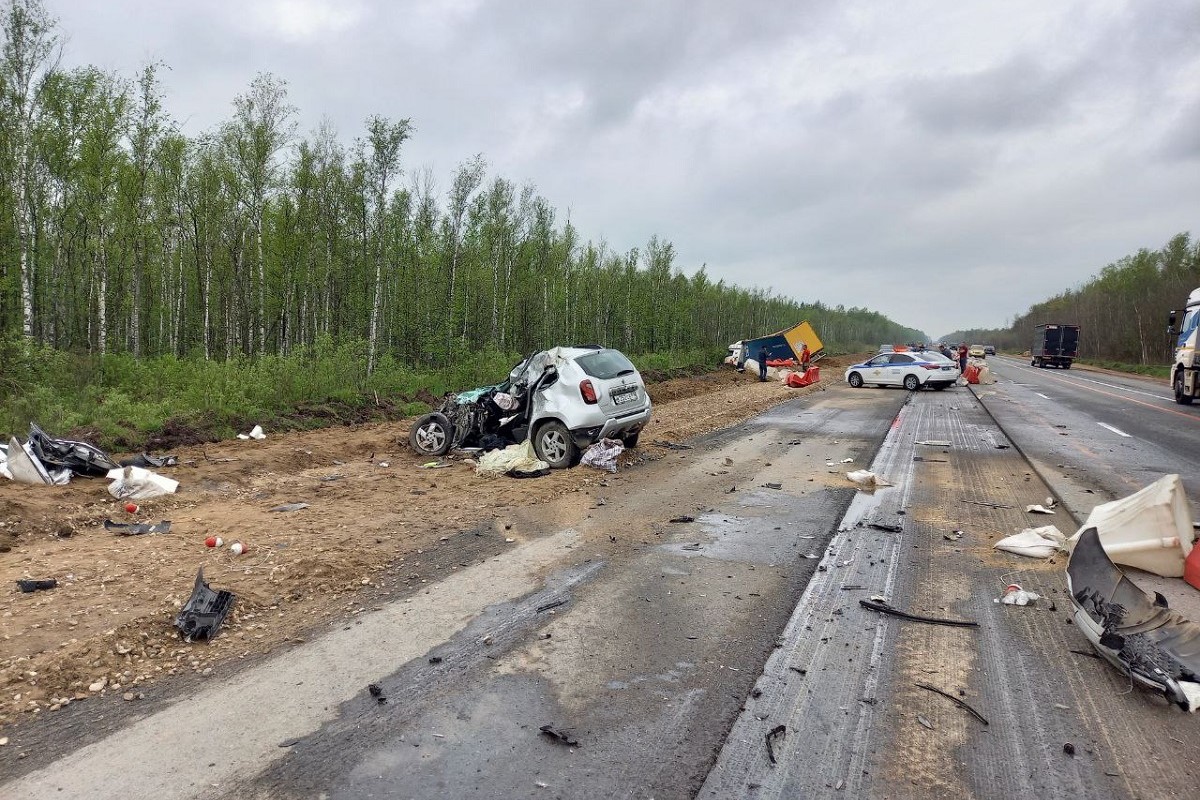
x=605 y=364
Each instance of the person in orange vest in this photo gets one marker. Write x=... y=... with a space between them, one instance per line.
x=805 y=357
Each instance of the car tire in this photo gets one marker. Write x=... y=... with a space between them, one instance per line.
x=631 y=440
x=855 y=380
x=1177 y=384
x=1033 y=362
x=431 y=435
x=553 y=444
x=912 y=382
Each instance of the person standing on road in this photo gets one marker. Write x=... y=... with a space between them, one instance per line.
x=762 y=364
x=962 y=357
x=805 y=357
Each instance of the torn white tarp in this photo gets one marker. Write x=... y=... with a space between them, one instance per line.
x=135 y=483
x=1034 y=542
x=1038 y=509
x=866 y=478
x=603 y=454
x=516 y=458
x=255 y=433
x=1150 y=529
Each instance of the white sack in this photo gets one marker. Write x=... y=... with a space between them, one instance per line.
x=255 y=433
x=514 y=458
x=1150 y=529
x=866 y=478
x=135 y=483
x=1034 y=542
x=603 y=454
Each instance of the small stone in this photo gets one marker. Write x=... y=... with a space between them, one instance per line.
x=127 y=696
x=98 y=685
x=510 y=540
x=3 y=741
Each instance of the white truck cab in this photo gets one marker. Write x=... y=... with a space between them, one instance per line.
x=1184 y=380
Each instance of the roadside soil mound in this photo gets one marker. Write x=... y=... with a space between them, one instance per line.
x=377 y=524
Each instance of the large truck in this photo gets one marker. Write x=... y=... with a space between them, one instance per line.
x=1054 y=345
x=1183 y=373
x=783 y=345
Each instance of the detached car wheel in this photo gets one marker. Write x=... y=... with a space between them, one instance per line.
x=855 y=380
x=431 y=435
x=554 y=445
x=911 y=383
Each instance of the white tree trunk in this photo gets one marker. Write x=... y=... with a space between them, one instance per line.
x=24 y=234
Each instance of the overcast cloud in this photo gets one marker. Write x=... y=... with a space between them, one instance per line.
x=944 y=163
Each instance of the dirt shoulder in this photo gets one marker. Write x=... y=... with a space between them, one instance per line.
x=377 y=524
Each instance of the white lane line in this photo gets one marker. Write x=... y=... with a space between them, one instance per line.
x=1117 y=431
x=1039 y=394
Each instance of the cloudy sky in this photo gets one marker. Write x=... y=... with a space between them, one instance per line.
x=945 y=163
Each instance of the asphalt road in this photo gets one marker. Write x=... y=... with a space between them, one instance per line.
x=725 y=657
x=1095 y=436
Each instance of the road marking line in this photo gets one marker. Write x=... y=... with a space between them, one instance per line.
x=1117 y=431
x=1039 y=394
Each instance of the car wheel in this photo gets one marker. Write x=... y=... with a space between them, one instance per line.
x=554 y=445
x=631 y=440
x=1033 y=362
x=912 y=383
x=855 y=380
x=1067 y=365
x=1180 y=397
x=431 y=435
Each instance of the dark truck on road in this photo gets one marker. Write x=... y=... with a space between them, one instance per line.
x=1054 y=345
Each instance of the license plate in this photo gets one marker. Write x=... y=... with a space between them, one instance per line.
x=627 y=396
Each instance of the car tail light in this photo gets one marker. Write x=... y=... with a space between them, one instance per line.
x=931 y=366
x=588 y=391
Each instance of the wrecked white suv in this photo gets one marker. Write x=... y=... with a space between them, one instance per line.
x=564 y=399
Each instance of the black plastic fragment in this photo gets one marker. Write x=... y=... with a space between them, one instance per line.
x=884 y=608
x=883 y=526
x=683 y=518
x=377 y=692
x=36 y=585
x=137 y=528
x=204 y=611
x=559 y=736
x=550 y=605
x=777 y=731
x=145 y=460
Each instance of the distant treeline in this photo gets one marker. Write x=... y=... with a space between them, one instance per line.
x=120 y=234
x=1122 y=312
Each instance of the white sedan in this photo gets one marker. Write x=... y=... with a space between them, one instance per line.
x=912 y=370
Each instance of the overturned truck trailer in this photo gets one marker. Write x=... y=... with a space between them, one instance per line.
x=785 y=344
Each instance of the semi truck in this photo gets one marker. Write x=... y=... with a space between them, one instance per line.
x=1183 y=373
x=1054 y=345
x=782 y=345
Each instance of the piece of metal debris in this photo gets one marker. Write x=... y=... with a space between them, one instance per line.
x=286 y=507
x=559 y=736
x=924 y=722
x=772 y=485
x=883 y=526
x=137 y=528
x=683 y=518
x=884 y=608
x=551 y=604
x=957 y=701
x=778 y=731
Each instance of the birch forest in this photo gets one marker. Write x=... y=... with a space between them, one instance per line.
x=119 y=233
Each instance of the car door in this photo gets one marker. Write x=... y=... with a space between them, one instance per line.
x=876 y=369
x=899 y=365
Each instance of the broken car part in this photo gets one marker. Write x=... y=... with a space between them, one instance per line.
x=884 y=608
x=137 y=528
x=958 y=702
x=147 y=460
x=776 y=732
x=1135 y=632
x=559 y=736
x=36 y=585
x=80 y=458
x=204 y=611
